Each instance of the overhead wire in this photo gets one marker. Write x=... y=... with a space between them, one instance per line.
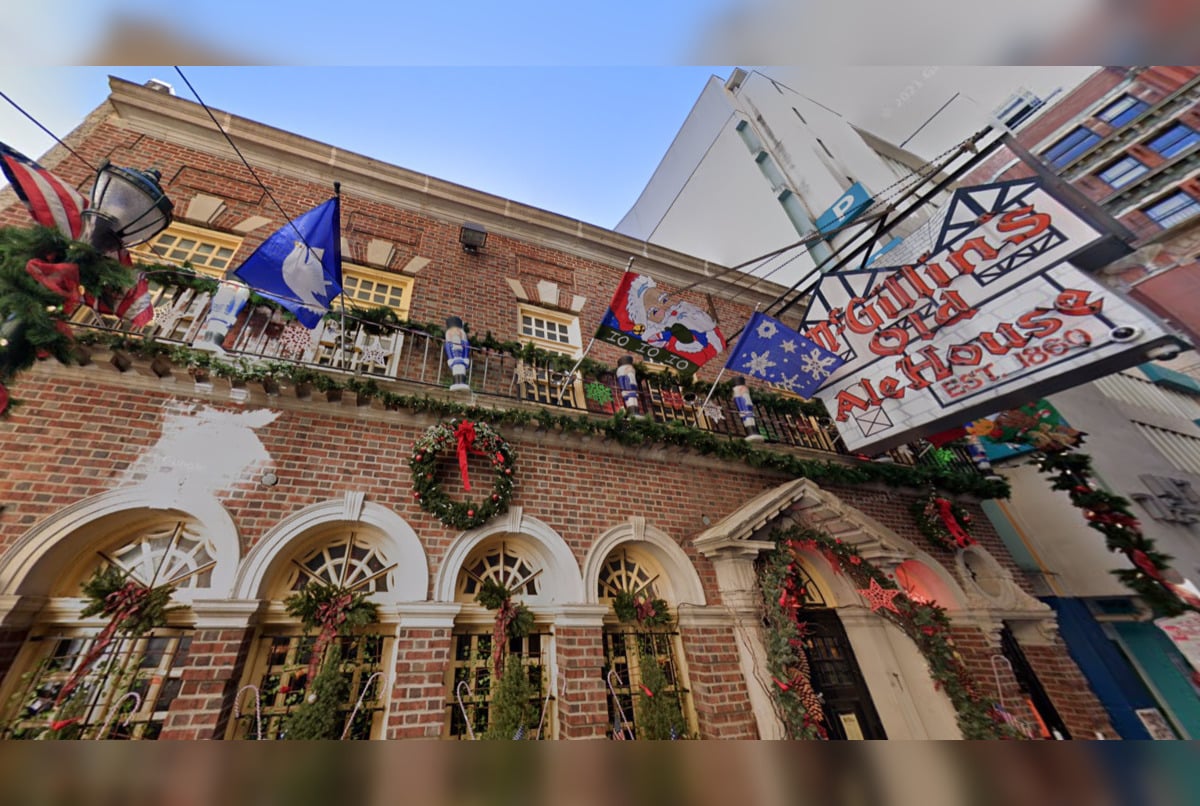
x=242 y=157
x=38 y=123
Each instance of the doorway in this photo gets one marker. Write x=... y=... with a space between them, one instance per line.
x=849 y=711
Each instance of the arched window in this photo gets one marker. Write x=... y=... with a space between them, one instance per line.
x=279 y=665
x=120 y=686
x=469 y=686
x=628 y=647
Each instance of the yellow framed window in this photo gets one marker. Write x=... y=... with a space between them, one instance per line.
x=209 y=252
x=549 y=330
x=370 y=288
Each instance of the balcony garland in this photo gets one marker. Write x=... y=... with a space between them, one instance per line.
x=620 y=429
x=926 y=624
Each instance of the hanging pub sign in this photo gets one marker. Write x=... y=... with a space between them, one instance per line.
x=979 y=310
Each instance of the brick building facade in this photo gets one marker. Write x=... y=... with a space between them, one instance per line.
x=138 y=458
x=1129 y=140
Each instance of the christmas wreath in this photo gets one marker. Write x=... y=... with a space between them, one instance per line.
x=513 y=620
x=943 y=522
x=464 y=438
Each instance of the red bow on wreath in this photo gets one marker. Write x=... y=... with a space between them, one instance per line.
x=61 y=278
x=645 y=608
x=956 y=531
x=464 y=434
x=120 y=605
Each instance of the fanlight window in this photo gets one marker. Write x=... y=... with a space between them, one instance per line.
x=348 y=562
x=170 y=554
x=500 y=563
x=625 y=573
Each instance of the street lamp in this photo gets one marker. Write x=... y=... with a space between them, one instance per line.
x=127 y=208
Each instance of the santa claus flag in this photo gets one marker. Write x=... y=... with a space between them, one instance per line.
x=660 y=326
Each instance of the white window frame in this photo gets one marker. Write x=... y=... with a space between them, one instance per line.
x=573 y=347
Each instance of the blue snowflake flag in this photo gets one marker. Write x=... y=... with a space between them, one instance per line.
x=773 y=352
x=300 y=265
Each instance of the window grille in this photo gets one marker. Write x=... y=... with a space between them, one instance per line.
x=502 y=563
x=102 y=706
x=346 y=561
x=282 y=681
x=472 y=665
x=366 y=288
x=209 y=252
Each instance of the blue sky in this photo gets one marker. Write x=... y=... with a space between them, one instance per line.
x=577 y=141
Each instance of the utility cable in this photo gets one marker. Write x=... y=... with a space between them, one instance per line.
x=38 y=123
x=266 y=189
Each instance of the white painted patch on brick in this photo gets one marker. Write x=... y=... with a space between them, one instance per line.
x=202 y=451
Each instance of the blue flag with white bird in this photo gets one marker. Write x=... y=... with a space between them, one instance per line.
x=300 y=265
x=773 y=352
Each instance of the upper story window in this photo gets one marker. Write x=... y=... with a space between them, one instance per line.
x=1122 y=111
x=209 y=252
x=1173 y=209
x=1066 y=150
x=1122 y=172
x=1174 y=140
x=369 y=288
x=549 y=330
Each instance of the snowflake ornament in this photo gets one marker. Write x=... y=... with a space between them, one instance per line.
x=295 y=339
x=374 y=356
x=767 y=329
x=789 y=346
x=759 y=363
x=713 y=412
x=816 y=365
x=788 y=382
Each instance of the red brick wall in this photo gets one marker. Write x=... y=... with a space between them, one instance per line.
x=719 y=692
x=211 y=672
x=583 y=706
x=1068 y=689
x=418 y=701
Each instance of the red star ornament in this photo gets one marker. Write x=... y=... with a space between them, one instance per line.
x=879 y=596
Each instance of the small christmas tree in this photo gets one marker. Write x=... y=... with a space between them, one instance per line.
x=511 y=713
x=318 y=717
x=659 y=715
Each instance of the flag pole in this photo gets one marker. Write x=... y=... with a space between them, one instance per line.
x=736 y=337
x=562 y=387
x=337 y=191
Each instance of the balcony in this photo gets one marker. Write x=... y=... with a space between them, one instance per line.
x=265 y=347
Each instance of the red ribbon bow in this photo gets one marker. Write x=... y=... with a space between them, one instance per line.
x=61 y=278
x=330 y=615
x=464 y=434
x=956 y=531
x=120 y=606
x=1143 y=561
x=645 y=608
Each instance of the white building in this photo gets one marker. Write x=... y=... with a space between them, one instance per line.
x=755 y=167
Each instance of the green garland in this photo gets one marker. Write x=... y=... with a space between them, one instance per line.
x=785 y=659
x=641 y=610
x=308 y=603
x=493 y=596
x=1110 y=515
x=427 y=490
x=151 y=613
x=928 y=517
x=620 y=428
x=926 y=624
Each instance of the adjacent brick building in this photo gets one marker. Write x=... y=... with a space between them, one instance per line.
x=245 y=485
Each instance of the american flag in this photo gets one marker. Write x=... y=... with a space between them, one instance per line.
x=51 y=201
x=56 y=204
